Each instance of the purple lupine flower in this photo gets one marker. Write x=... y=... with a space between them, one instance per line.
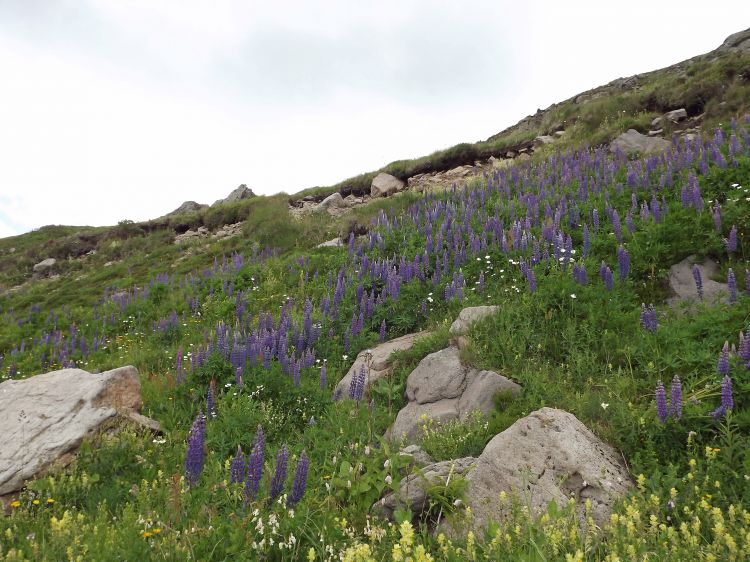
x=727 y=400
x=717 y=217
x=323 y=377
x=586 y=241
x=744 y=349
x=675 y=407
x=195 y=454
x=255 y=465
x=722 y=366
x=661 y=402
x=300 y=481
x=623 y=260
x=238 y=377
x=747 y=282
x=531 y=278
x=279 y=475
x=382 y=331
x=237 y=468
x=357 y=385
x=649 y=319
x=606 y=274
x=698 y=281
x=731 y=241
x=732 y=286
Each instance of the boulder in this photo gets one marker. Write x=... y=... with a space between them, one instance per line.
x=470 y=315
x=541 y=140
x=737 y=42
x=44 y=267
x=385 y=185
x=416 y=454
x=655 y=133
x=413 y=489
x=441 y=389
x=547 y=456
x=187 y=207
x=332 y=201
x=46 y=417
x=238 y=194
x=682 y=282
x=633 y=142
x=676 y=115
x=379 y=363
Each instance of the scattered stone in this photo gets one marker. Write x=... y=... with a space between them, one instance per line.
x=676 y=115
x=240 y=193
x=656 y=121
x=655 y=133
x=632 y=142
x=335 y=243
x=201 y=232
x=441 y=389
x=332 y=201
x=682 y=282
x=470 y=315
x=559 y=134
x=46 y=417
x=379 y=361
x=541 y=140
x=44 y=267
x=385 y=185
x=228 y=230
x=547 y=456
x=510 y=154
x=413 y=489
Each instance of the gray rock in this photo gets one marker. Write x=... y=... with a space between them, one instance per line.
x=548 y=455
x=441 y=389
x=385 y=185
x=332 y=201
x=682 y=282
x=413 y=489
x=379 y=363
x=470 y=315
x=238 y=194
x=481 y=388
x=632 y=142
x=676 y=115
x=655 y=133
x=44 y=267
x=335 y=243
x=187 y=207
x=559 y=134
x=656 y=121
x=438 y=376
x=46 y=417
x=541 y=140
x=417 y=455
x=737 y=42
x=409 y=421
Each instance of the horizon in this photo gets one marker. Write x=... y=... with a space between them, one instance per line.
x=112 y=113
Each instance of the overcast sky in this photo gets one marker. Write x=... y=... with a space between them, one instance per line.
x=123 y=109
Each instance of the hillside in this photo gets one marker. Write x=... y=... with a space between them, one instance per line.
x=611 y=377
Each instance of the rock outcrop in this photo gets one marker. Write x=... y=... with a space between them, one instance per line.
x=468 y=316
x=385 y=185
x=238 y=194
x=187 y=207
x=633 y=142
x=441 y=389
x=737 y=42
x=46 y=417
x=379 y=363
x=547 y=456
x=44 y=267
x=332 y=201
x=682 y=283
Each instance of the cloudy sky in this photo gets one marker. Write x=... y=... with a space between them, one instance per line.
x=123 y=109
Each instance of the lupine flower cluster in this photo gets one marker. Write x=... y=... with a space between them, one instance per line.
x=675 y=408
x=195 y=455
x=357 y=385
x=649 y=320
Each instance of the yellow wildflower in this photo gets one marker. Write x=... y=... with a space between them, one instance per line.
x=15 y=504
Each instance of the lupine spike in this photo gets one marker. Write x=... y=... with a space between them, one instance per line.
x=237 y=468
x=732 y=286
x=675 y=407
x=300 y=481
x=279 y=475
x=661 y=402
x=195 y=455
x=698 y=281
x=722 y=366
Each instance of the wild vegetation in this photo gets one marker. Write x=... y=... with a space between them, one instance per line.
x=240 y=344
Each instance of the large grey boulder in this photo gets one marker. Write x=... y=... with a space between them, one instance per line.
x=45 y=418
x=682 y=282
x=187 y=207
x=676 y=115
x=379 y=363
x=470 y=315
x=334 y=201
x=541 y=140
x=385 y=185
x=547 y=456
x=238 y=194
x=44 y=267
x=737 y=42
x=633 y=142
x=335 y=243
x=441 y=389
x=413 y=489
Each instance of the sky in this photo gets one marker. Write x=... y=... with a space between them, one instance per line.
x=123 y=109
